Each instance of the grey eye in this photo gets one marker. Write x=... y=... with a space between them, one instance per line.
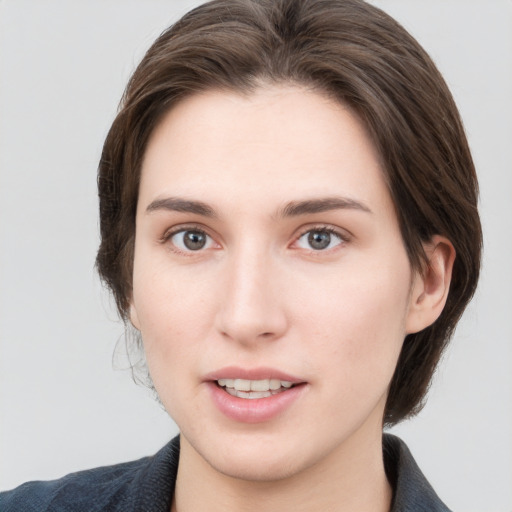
x=191 y=240
x=319 y=240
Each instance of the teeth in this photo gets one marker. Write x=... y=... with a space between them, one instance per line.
x=275 y=384
x=259 y=385
x=242 y=385
x=250 y=394
x=255 y=386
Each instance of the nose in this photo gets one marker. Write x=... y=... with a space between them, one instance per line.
x=252 y=302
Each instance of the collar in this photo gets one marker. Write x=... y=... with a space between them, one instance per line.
x=411 y=490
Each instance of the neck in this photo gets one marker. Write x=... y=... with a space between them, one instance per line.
x=350 y=479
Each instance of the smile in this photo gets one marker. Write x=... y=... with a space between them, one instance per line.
x=254 y=395
x=252 y=389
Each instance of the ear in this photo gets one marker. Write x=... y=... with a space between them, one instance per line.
x=430 y=288
x=134 y=318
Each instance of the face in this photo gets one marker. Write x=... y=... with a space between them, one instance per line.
x=271 y=284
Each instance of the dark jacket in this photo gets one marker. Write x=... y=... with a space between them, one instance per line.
x=147 y=485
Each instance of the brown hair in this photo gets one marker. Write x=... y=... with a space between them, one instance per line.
x=355 y=53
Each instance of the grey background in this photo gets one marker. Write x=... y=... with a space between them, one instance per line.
x=63 y=407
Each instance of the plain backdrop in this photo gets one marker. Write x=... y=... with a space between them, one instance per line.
x=64 y=404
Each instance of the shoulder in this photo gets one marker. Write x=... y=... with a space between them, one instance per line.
x=412 y=491
x=121 y=487
x=94 y=488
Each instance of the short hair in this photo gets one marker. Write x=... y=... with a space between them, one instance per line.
x=356 y=54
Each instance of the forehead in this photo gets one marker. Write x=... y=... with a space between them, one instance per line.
x=278 y=141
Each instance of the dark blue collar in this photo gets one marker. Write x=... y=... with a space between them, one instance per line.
x=411 y=490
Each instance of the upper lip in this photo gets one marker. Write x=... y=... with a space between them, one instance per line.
x=260 y=373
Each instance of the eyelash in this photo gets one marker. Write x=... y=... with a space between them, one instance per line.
x=342 y=237
x=168 y=235
x=183 y=229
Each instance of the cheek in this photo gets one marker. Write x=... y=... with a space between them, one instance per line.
x=357 y=319
x=173 y=322
x=172 y=308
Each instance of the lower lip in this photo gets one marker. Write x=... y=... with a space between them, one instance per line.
x=254 y=410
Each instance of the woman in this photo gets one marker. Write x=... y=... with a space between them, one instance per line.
x=288 y=217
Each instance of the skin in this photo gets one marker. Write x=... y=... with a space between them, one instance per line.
x=258 y=295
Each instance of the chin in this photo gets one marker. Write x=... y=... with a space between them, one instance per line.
x=264 y=467
x=257 y=457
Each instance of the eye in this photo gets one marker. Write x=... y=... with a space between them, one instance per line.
x=190 y=240
x=320 y=239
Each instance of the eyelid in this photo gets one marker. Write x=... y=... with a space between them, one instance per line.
x=342 y=234
x=169 y=233
x=187 y=226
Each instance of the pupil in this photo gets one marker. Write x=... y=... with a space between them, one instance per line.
x=194 y=240
x=319 y=239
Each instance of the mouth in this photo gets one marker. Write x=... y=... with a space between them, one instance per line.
x=254 y=395
x=253 y=389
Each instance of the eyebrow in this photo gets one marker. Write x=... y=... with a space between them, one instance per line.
x=177 y=204
x=296 y=208
x=291 y=209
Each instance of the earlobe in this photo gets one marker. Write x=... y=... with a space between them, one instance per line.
x=430 y=288
x=134 y=318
